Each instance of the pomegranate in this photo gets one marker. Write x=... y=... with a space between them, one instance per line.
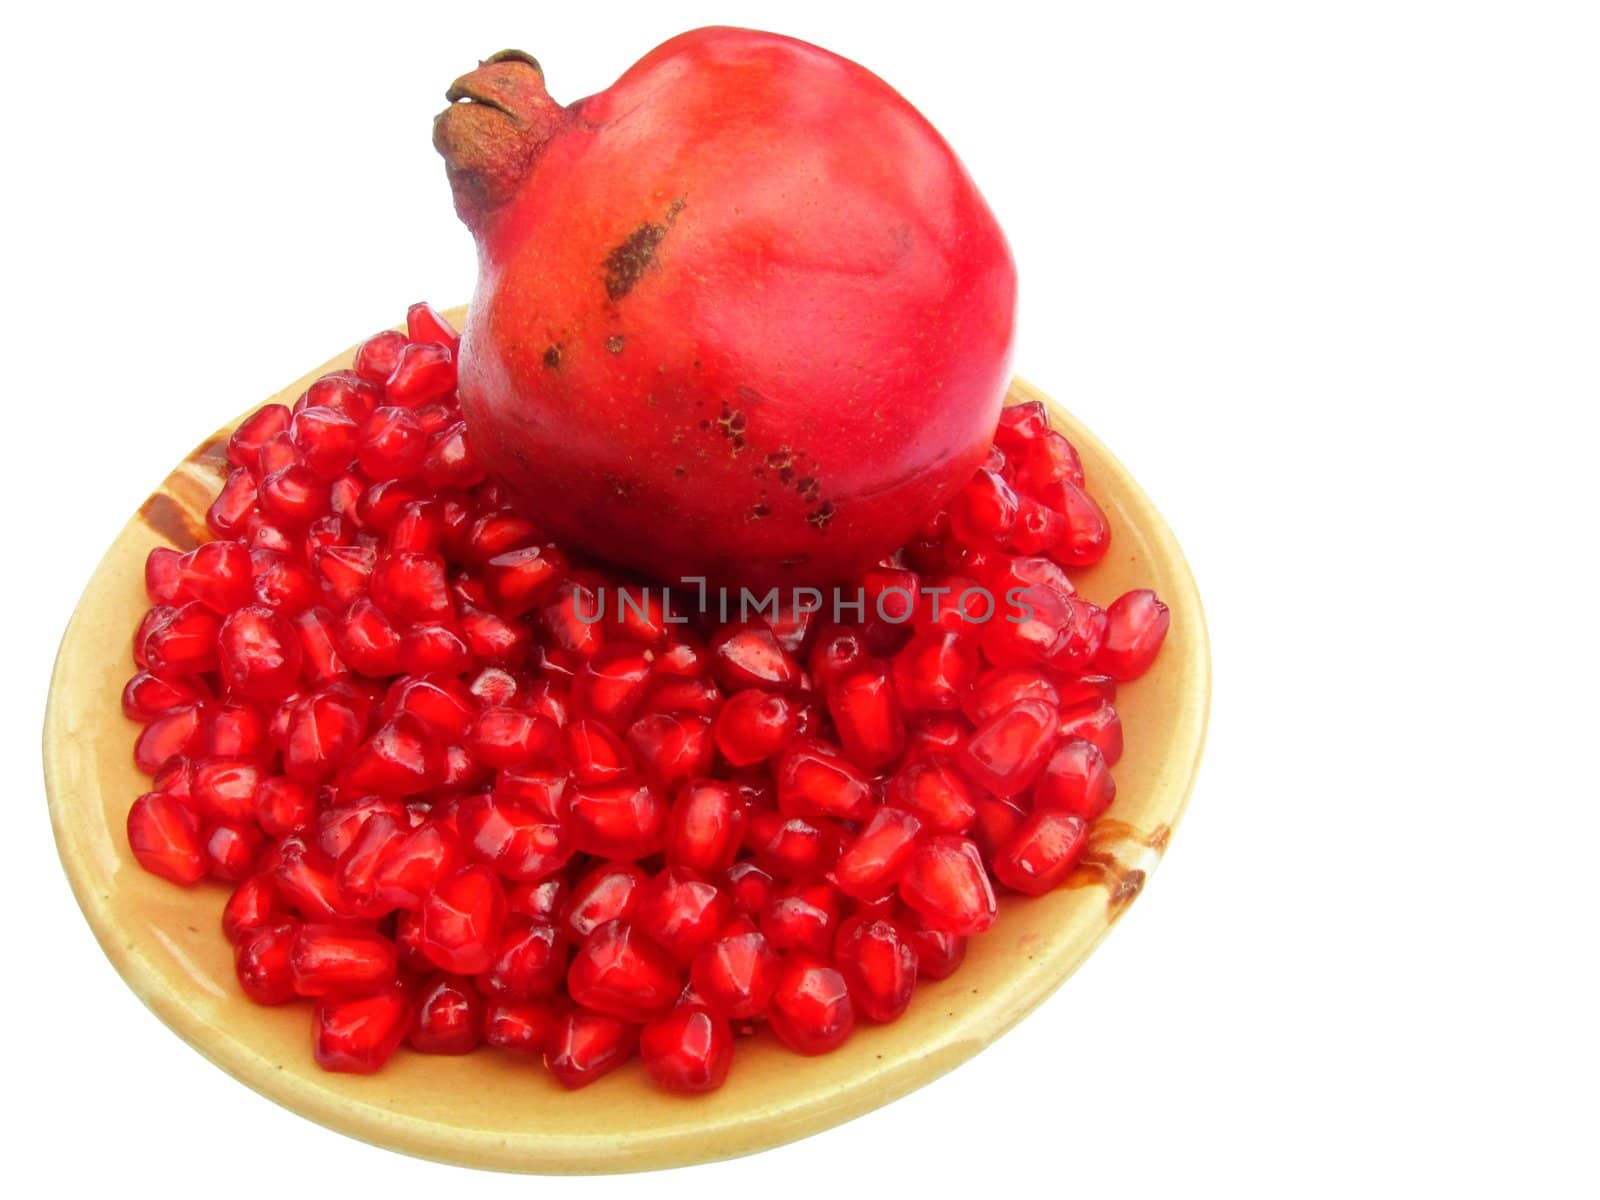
x=452 y=814
x=742 y=315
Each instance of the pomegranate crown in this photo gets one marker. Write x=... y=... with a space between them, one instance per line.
x=499 y=118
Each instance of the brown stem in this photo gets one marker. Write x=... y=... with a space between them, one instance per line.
x=499 y=118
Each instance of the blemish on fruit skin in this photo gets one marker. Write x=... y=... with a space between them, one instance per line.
x=552 y=356
x=821 y=516
x=680 y=472
x=628 y=260
x=614 y=343
x=760 y=511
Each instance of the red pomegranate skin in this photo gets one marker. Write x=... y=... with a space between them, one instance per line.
x=742 y=315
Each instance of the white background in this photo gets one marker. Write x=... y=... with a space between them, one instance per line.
x=1325 y=276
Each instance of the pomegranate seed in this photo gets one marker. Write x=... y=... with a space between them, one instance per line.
x=1098 y=723
x=449 y=463
x=687 y=1050
x=1003 y=687
x=935 y=671
x=531 y=962
x=164 y=835
x=225 y=790
x=461 y=920
x=424 y=324
x=620 y=972
x=178 y=731
x=359 y=865
x=736 y=973
x=521 y=1026
x=932 y=791
x=677 y=694
x=610 y=685
x=879 y=966
x=253 y=905
x=231 y=851
x=792 y=847
x=335 y=958
x=608 y=893
x=424 y=372
x=984 y=511
x=681 y=912
x=284 y=805
x=162 y=575
x=1008 y=751
x=323 y=731
x=147 y=696
x=1136 y=625
x=544 y=899
x=620 y=820
x=754 y=725
x=217 y=575
x=867 y=715
x=938 y=953
x=259 y=653
x=586 y=1045
x=596 y=754
x=377 y=356
x=180 y=641
x=507 y=737
x=945 y=882
x=1087 y=536
x=1045 y=460
x=870 y=863
x=411 y=587
x=360 y=1035
x=802 y=917
x=838 y=651
x=1041 y=851
x=1020 y=424
x=326 y=439
x=521 y=580
x=400 y=759
x=705 y=826
x=233 y=506
x=811 y=1011
x=815 y=780
x=415 y=865
x=1076 y=780
x=448 y=1018
x=519 y=844
x=261 y=963
x=750 y=656
x=565 y=616
x=671 y=747
x=750 y=886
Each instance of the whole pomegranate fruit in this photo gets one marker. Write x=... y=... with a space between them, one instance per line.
x=741 y=315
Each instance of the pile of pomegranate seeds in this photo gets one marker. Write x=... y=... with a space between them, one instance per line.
x=456 y=809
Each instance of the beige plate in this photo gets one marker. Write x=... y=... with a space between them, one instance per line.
x=491 y=1110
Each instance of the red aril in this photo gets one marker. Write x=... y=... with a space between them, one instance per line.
x=461 y=920
x=448 y=1017
x=620 y=972
x=1136 y=625
x=334 y=958
x=811 y=1010
x=360 y=1035
x=754 y=725
x=1076 y=780
x=164 y=835
x=584 y=1045
x=945 y=882
x=879 y=966
x=1036 y=857
x=737 y=972
x=871 y=862
x=688 y=1050
x=1007 y=751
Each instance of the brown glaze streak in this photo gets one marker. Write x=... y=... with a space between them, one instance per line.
x=171 y=522
x=1101 y=866
x=176 y=511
